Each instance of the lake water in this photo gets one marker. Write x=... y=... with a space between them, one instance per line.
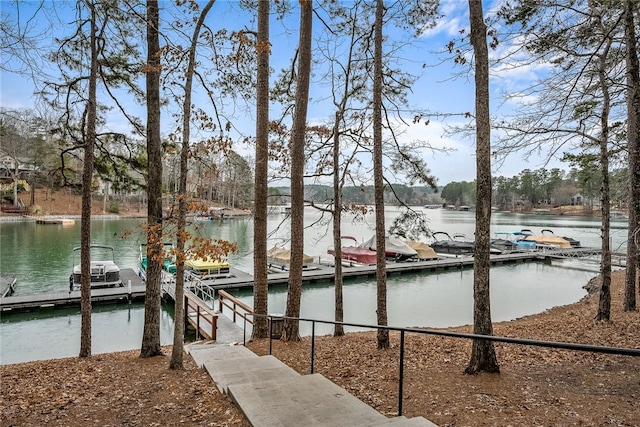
x=40 y=256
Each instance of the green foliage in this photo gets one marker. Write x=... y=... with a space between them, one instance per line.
x=459 y=193
x=114 y=208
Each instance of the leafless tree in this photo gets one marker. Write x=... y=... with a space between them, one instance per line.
x=260 y=286
x=178 y=331
x=87 y=177
x=483 y=354
x=151 y=333
x=298 y=138
x=633 y=144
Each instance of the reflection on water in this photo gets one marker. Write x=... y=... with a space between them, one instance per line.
x=40 y=256
x=56 y=333
x=438 y=299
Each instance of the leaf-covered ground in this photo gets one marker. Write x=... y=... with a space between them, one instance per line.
x=536 y=386
x=116 y=389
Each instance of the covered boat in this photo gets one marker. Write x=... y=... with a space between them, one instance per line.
x=394 y=248
x=458 y=245
x=547 y=239
x=511 y=242
x=169 y=263
x=444 y=244
x=423 y=250
x=205 y=269
x=355 y=253
x=104 y=273
x=280 y=259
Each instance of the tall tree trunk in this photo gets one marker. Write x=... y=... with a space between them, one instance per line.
x=151 y=333
x=87 y=178
x=604 y=305
x=292 y=327
x=338 y=330
x=16 y=175
x=260 y=287
x=633 y=144
x=178 y=328
x=483 y=354
x=378 y=182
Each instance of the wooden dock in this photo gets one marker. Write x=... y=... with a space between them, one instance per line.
x=7 y=285
x=239 y=279
x=326 y=273
x=68 y=298
x=50 y=221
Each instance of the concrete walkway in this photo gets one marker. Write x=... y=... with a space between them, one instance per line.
x=271 y=394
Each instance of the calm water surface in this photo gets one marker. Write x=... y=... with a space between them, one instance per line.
x=40 y=256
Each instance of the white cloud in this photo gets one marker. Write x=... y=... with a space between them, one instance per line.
x=454 y=18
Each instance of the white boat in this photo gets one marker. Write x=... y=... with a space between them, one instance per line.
x=394 y=248
x=104 y=273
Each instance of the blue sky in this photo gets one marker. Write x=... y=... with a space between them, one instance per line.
x=437 y=90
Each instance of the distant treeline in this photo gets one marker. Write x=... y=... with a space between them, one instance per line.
x=529 y=189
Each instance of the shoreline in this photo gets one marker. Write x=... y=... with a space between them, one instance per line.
x=536 y=386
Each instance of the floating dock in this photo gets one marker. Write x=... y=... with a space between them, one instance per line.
x=239 y=279
x=7 y=286
x=135 y=292
x=49 y=221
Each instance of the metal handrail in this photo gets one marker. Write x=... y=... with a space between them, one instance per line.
x=191 y=300
x=634 y=352
x=192 y=281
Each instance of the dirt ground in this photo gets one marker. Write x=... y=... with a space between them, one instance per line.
x=65 y=202
x=536 y=386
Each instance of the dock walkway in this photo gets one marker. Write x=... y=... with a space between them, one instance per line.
x=239 y=279
x=67 y=298
x=7 y=285
x=271 y=394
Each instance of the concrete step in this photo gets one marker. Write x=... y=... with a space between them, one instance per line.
x=400 y=422
x=250 y=370
x=310 y=401
x=203 y=353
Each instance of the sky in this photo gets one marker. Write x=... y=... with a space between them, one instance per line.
x=443 y=87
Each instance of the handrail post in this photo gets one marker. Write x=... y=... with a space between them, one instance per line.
x=186 y=314
x=198 y=321
x=313 y=345
x=270 y=335
x=244 y=330
x=220 y=297
x=235 y=308
x=401 y=374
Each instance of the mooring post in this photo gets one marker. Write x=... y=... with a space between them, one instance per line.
x=129 y=295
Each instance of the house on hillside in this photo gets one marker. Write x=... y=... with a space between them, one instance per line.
x=577 y=200
x=10 y=164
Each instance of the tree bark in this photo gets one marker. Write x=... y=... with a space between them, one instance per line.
x=260 y=287
x=378 y=182
x=604 y=304
x=483 y=355
x=87 y=178
x=338 y=330
x=178 y=329
x=633 y=144
x=292 y=327
x=151 y=333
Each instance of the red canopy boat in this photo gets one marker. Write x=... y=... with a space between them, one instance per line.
x=355 y=253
